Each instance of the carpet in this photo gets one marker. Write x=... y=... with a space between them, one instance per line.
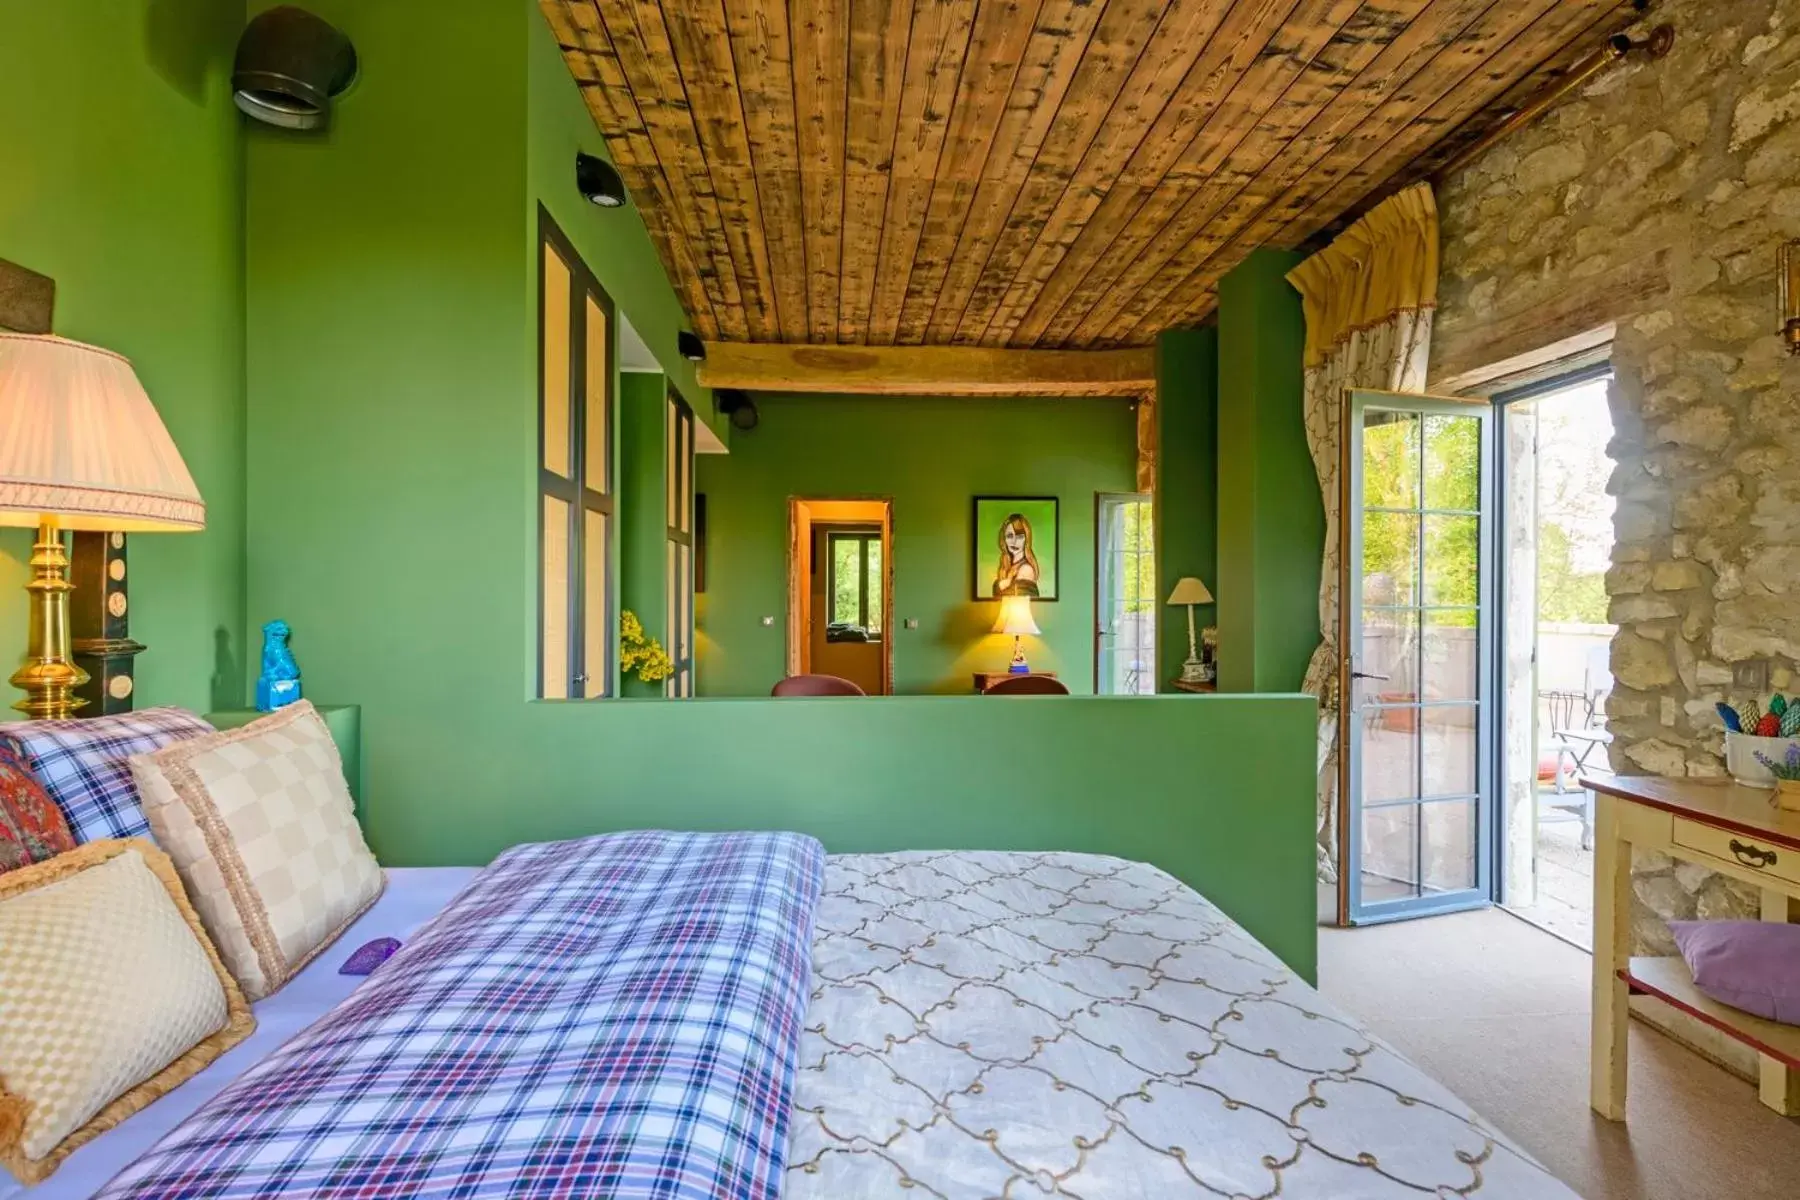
x=1497 y=1011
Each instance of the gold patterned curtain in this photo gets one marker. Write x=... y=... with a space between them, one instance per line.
x=1369 y=299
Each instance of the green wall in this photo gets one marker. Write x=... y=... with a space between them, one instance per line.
x=121 y=176
x=1271 y=520
x=931 y=456
x=1208 y=788
x=1187 y=484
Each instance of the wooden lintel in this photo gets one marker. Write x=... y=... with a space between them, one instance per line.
x=927 y=370
x=27 y=299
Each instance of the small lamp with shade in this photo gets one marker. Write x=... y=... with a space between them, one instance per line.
x=1016 y=621
x=84 y=450
x=1189 y=592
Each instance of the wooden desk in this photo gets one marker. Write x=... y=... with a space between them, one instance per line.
x=1735 y=830
x=987 y=679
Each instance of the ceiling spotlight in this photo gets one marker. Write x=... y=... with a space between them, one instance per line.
x=738 y=406
x=690 y=346
x=596 y=179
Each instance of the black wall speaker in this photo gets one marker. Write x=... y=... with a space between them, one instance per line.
x=290 y=64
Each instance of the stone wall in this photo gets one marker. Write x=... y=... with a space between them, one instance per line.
x=1655 y=199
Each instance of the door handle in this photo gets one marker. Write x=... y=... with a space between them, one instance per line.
x=1369 y=675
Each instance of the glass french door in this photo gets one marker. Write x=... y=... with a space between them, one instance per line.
x=1417 y=678
x=1125 y=601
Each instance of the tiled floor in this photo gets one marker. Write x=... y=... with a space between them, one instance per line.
x=1565 y=884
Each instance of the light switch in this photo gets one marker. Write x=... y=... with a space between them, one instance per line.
x=768 y=621
x=912 y=622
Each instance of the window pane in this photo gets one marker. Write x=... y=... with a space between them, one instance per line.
x=1453 y=462
x=1449 y=837
x=1390 y=563
x=596 y=466
x=1390 y=754
x=671 y=476
x=1389 y=657
x=684 y=628
x=1390 y=459
x=1452 y=654
x=1451 y=740
x=1452 y=561
x=846 y=594
x=687 y=471
x=1390 y=858
x=556 y=599
x=872 y=585
x=555 y=336
x=596 y=618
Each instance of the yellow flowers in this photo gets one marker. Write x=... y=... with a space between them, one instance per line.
x=641 y=653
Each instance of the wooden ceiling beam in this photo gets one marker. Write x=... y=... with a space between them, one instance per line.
x=928 y=370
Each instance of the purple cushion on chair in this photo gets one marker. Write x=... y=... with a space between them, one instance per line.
x=1752 y=965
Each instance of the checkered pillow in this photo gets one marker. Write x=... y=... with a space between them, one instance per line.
x=81 y=763
x=260 y=825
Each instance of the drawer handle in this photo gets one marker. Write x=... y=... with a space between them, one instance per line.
x=1752 y=855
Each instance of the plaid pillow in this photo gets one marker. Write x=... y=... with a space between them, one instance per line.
x=81 y=763
x=32 y=828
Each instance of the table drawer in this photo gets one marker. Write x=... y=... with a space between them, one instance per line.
x=1745 y=850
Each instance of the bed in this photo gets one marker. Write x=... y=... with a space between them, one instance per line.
x=738 y=1015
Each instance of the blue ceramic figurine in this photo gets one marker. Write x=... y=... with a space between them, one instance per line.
x=279 y=683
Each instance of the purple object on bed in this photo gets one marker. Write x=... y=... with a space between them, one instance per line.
x=617 y=1016
x=369 y=955
x=1752 y=965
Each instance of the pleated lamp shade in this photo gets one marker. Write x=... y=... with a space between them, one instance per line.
x=80 y=441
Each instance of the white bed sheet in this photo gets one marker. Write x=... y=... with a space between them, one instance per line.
x=991 y=1024
x=413 y=895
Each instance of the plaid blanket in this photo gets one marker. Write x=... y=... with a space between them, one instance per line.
x=611 y=1017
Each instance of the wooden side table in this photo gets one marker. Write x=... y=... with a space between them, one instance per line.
x=987 y=679
x=1735 y=830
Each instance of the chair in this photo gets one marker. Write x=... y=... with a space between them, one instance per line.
x=816 y=685
x=1027 y=685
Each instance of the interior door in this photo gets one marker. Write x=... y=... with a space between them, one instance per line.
x=1417 y=678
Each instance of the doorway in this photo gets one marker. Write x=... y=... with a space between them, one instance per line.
x=1416 y=584
x=840 y=591
x=1125 y=595
x=1554 y=665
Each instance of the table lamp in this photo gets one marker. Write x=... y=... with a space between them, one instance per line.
x=81 y=448
x=1189 y=592
x=1015 y=619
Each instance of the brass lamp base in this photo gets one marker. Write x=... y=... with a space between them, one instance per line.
x=49 y=677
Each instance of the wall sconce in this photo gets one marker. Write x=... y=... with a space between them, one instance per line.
x=1787 y=270
x=598 y=182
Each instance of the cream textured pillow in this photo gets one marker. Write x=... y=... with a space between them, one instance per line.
x=260 y=824
x=110 y=996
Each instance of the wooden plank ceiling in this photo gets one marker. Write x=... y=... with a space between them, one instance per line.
x=1027 y=173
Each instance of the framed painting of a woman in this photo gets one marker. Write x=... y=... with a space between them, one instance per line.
x=1015 y=547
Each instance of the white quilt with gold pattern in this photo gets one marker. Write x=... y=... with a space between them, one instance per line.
x=1024 y=1025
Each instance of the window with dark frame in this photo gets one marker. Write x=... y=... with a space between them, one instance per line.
x=576 y=616
x=854 y=578
x=678 y=449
